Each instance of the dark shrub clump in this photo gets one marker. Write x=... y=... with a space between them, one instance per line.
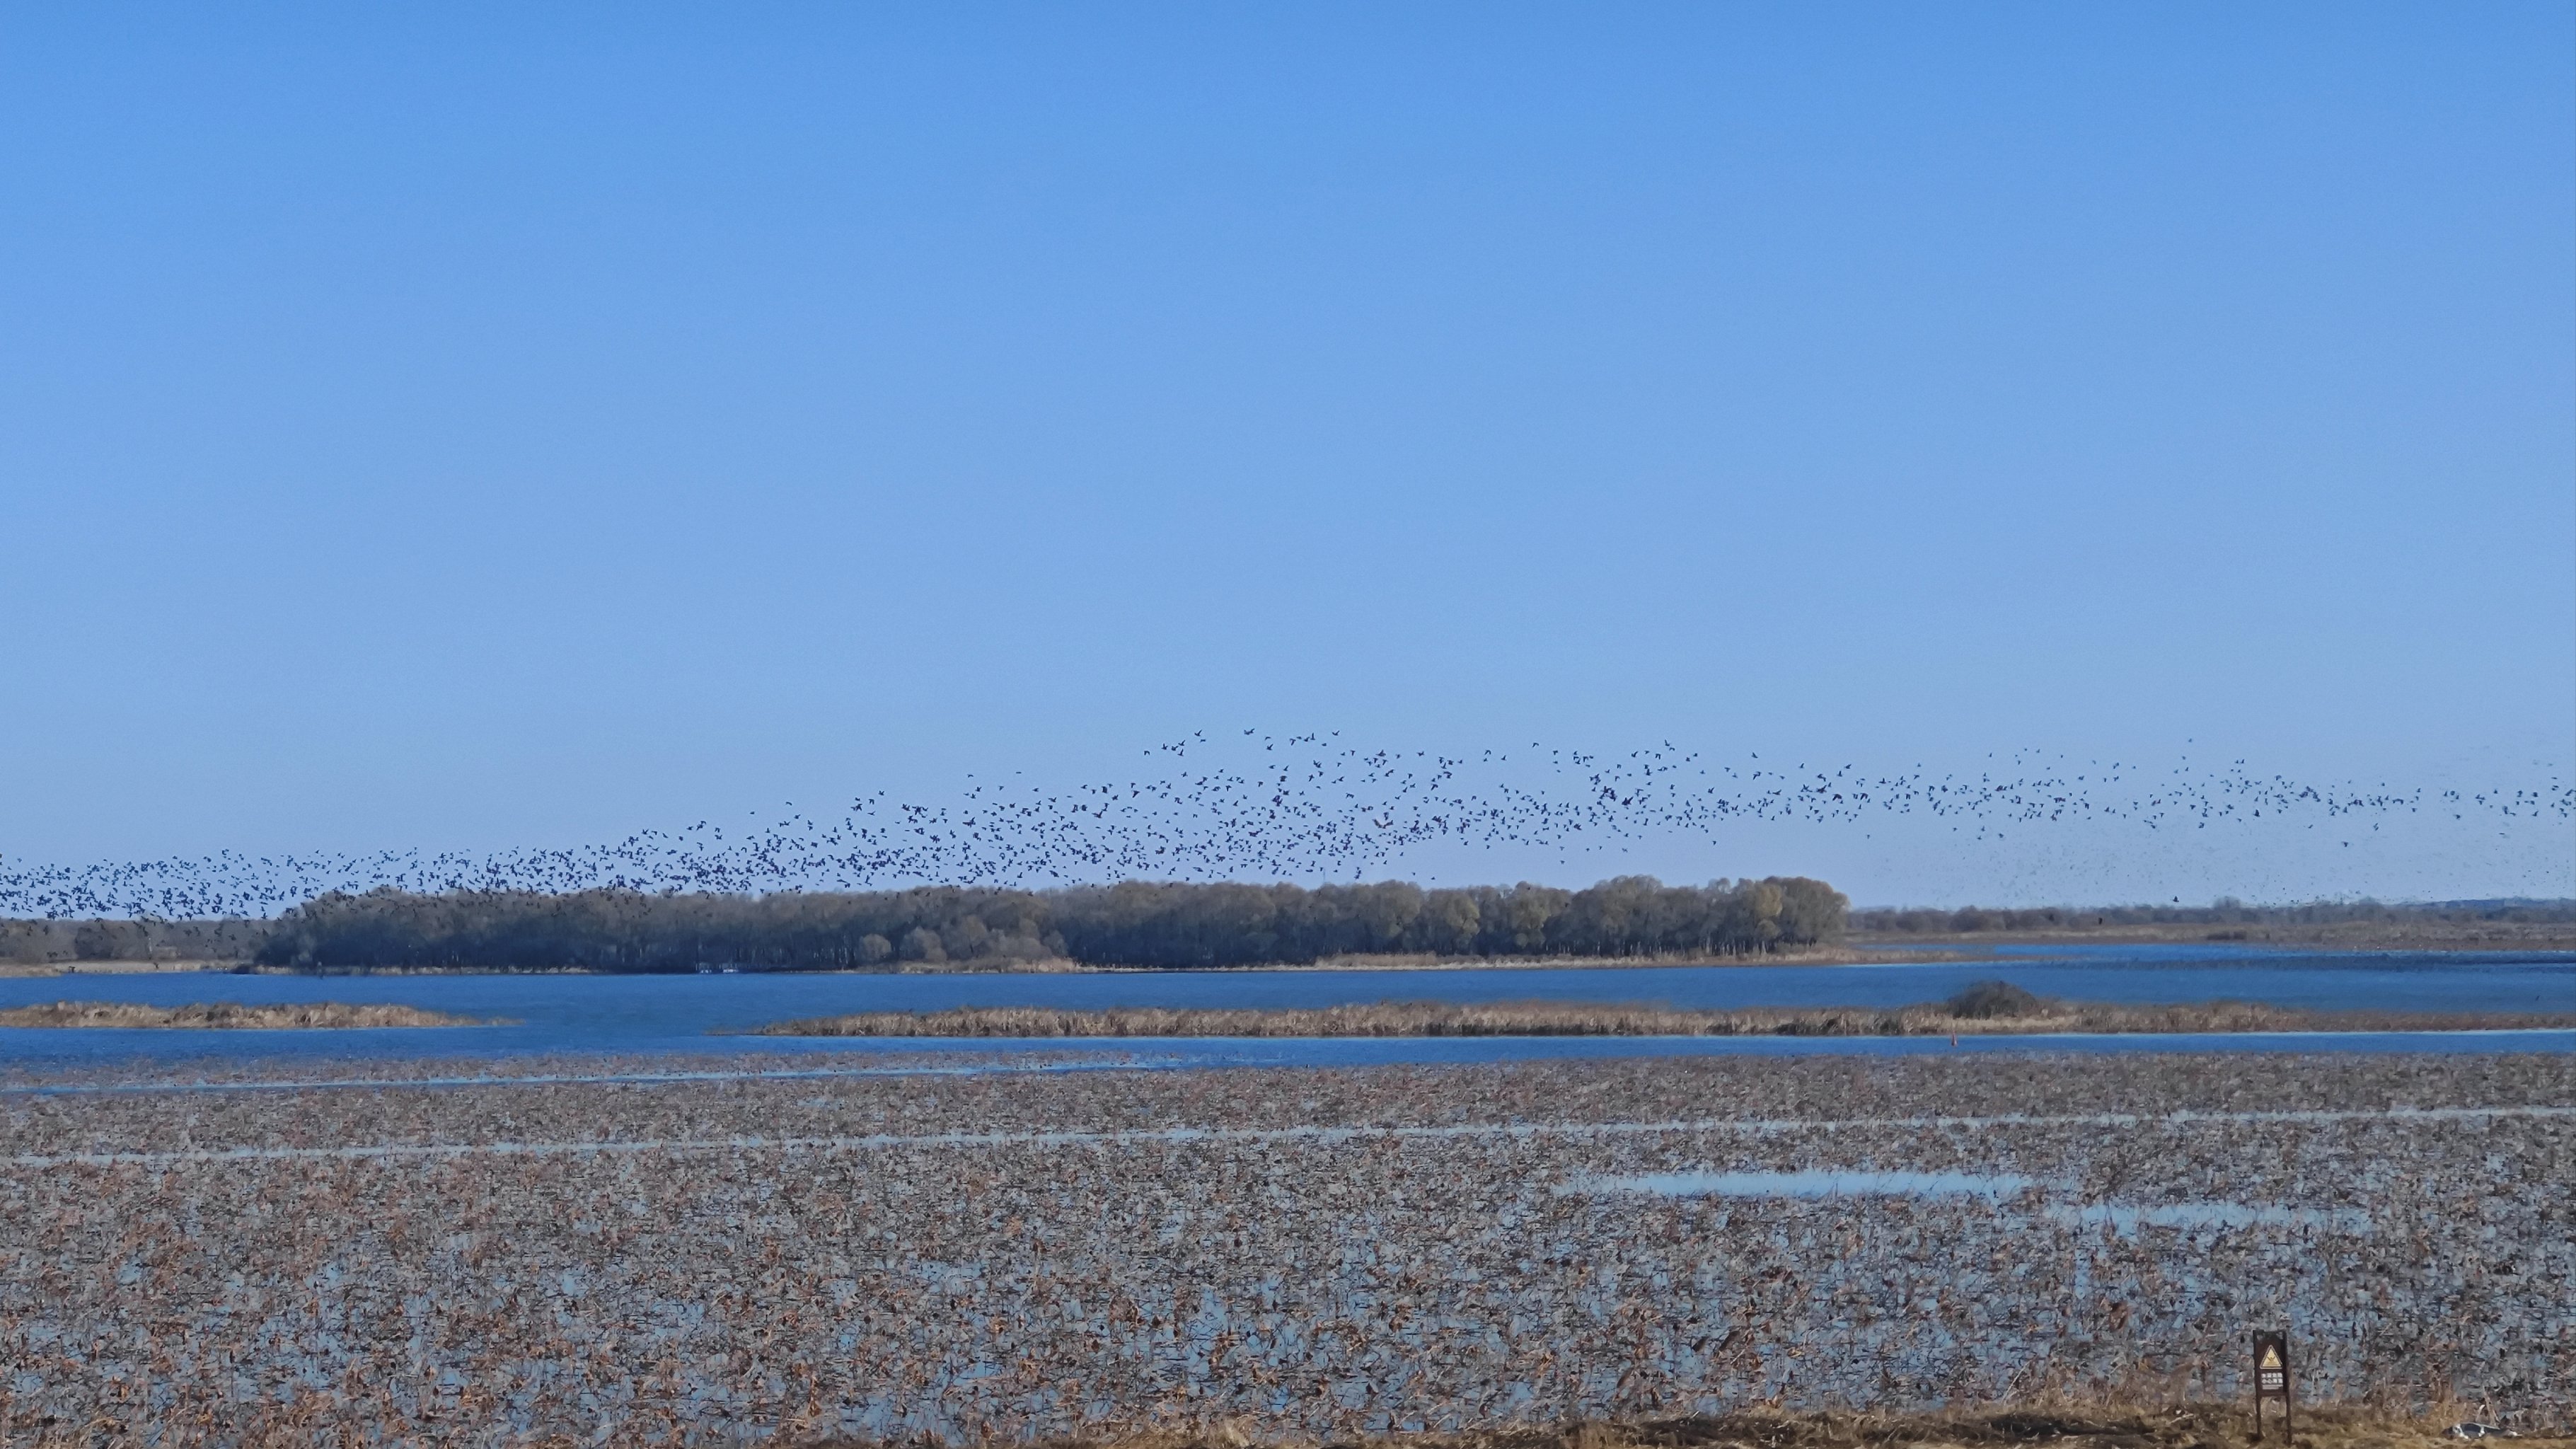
x=1987 y=1000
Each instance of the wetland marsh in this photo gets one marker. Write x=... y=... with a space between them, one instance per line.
x=1018 y=1253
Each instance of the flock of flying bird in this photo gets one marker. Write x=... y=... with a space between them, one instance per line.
x=1256 y=806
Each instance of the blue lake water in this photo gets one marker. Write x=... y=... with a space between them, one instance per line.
x=679 y=1014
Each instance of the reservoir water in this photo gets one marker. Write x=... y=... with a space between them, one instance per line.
x=661 y=1015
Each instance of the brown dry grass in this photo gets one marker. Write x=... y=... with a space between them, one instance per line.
x=2055 y=1425
x=2060 y=1426
x=716 y=1275
x=1579 y=1018
x=287 y=1015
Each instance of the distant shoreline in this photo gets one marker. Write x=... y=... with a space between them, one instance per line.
x=54 y=969
x=1823 y=956
x=1627 y=922
x=1908 y=949
x=2366 y=936
x=229 y=1016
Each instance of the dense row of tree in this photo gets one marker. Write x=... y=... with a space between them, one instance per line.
x=2226 y=911
x=1138 y=923
x=48 y=943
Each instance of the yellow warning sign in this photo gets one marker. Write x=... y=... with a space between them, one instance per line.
x=2272 y=1380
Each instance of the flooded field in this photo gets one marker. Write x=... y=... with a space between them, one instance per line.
x=718 y=1257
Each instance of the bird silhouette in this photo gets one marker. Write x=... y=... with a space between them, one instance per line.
x=1301 y=805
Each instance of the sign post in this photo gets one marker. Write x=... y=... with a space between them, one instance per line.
x=2271 y=1380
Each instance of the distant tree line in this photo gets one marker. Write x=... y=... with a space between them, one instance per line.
x=52 y=943
x=2224 y=912
x=1137 y=923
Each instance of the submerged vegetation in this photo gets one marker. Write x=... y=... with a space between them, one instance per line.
x=1987 y=1008
x=269 y=1016
x=1136 y=923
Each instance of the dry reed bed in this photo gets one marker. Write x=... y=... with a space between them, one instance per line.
x=272 y=1016
x=1018 y=1256
x=1584 y=1018
x=2058 y=1424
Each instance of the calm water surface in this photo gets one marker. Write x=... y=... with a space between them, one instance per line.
x=676 y=1014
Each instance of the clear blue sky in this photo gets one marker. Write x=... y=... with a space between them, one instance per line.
x=480 y=426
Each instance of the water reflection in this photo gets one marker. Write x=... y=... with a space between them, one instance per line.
x=1995 y=1187
x=1811 y=1184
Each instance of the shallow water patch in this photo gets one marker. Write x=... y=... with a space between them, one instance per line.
x=1811 y=1183
x=1995 y=1187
